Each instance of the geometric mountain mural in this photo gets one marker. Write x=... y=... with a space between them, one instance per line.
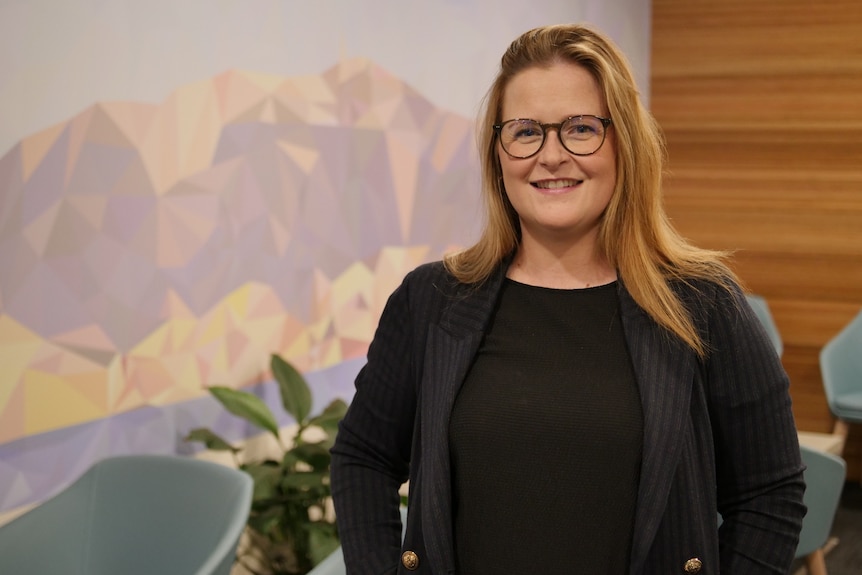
x=149 y=250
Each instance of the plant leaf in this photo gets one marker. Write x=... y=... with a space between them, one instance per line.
x=332 y=414
x=247 y=406
x=314 y=454
x=323 y=540
x=267 y=522
x=328 y=421
x=266 y=479
x=288 y=462
x=210 y=440
x=305 y=480
x=295 y=395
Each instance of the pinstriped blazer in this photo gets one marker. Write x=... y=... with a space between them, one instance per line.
x=719 y=435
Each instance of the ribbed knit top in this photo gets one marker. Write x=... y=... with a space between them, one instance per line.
x=545 y=438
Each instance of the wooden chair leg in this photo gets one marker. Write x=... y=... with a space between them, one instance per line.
x=841 y=429
x=816 y=563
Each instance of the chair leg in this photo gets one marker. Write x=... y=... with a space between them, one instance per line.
x=841 y=429
x=816 y=563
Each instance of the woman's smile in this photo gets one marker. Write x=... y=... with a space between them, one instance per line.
x=556 y=185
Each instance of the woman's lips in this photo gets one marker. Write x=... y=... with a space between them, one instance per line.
x=552 y=185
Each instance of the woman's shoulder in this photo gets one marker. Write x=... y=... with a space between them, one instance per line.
x=428 y=270
x=718 y=289
x=432 y=273
x=433 y=281
x=429 y=280
x=706 y=299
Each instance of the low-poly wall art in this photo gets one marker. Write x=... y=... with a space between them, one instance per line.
x=295 y=166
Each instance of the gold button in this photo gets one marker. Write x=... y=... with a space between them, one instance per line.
x=693 y=565
x=410 y=560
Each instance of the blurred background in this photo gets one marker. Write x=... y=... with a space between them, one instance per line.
x=186 y=188
x=189 y=187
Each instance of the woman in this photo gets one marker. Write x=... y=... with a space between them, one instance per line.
x=581 y=391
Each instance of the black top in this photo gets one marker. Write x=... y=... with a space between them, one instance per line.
x=546 y=436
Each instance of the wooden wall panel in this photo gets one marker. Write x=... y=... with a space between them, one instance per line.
x=761 y=103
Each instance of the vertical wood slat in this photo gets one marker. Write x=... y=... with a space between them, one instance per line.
x=761 y=103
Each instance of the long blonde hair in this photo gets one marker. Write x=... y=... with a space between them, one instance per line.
x=635 y=234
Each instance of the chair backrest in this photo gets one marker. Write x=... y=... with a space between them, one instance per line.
x=135 y=515
x=824 y=479
x=764 y=314
x=841 y=367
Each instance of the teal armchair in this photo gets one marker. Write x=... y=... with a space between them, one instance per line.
x=134 y=515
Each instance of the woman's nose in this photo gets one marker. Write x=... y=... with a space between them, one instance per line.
x=553 y=152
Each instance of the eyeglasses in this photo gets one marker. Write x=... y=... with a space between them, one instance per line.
x=580 y=135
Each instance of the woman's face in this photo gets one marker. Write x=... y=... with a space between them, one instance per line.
x=558 y=196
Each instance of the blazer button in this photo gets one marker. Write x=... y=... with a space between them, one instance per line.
x=693 y=565
x=410 y=561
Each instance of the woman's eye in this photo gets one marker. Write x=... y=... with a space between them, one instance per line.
x=582 y=129
x=528 y=132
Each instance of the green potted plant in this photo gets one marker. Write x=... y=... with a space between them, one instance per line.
x=291 y=526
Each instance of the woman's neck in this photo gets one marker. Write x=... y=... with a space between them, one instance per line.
x=569 y=267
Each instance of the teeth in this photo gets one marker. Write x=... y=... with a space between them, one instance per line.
x=556 y=184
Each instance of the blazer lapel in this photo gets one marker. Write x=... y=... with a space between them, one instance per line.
x=451 y=347
x=664 y=368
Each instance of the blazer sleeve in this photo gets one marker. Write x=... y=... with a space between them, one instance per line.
x=758 y=463
x=371 y=454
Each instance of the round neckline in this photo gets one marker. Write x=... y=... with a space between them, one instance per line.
x=610 y=284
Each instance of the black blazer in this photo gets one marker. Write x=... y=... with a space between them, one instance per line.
x=719 y=435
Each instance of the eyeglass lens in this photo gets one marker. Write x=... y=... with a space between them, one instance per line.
x=580 y=135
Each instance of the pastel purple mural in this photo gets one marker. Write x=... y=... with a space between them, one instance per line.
x=165 y=224
x=140 y=230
